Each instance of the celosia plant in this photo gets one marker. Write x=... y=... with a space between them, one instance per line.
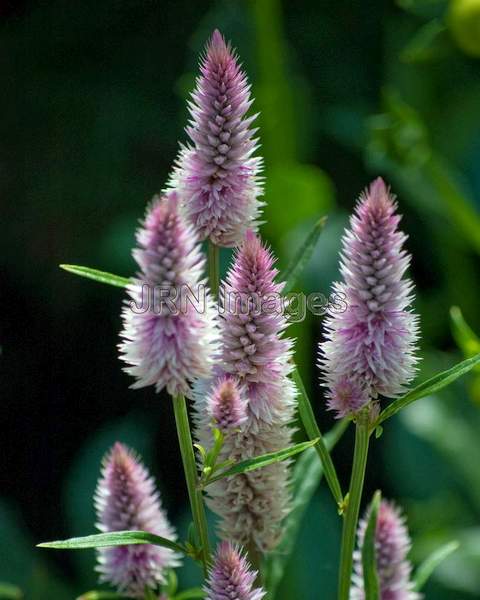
x=392 y=544
x=231 y=576
x=127 y=499
x=233 y=358
x=218 y=176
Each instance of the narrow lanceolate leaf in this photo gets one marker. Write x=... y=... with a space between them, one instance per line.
x=307 y=474
x=301 y=258
x=432 y=385
x=251 y=464
x=96 y=275
x=190 y=594
x=10 y=592
x=369 y=562
x=431 y=563
x=101 y=595
x=113 y=538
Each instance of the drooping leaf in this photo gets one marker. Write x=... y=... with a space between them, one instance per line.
x=432 y=385
x=113 y=538
x=96 y=275
x=301 y=258
x=429 y=565
x=369 y=563
x=258 y=462
x=307 y=475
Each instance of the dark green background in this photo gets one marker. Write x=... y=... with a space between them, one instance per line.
x=93 y=105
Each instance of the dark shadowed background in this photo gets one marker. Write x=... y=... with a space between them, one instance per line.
x=92 y=108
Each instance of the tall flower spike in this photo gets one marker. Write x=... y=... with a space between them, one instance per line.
x=231 y=576
x=217 y=177
x=252 y=506
x=126 y=499
x=168 y=340
x=392 y=544
x=370 y=347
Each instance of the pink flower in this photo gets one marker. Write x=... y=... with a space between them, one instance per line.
x=217 y=177
x=227 y=405
x=252 y=506
x=231 y=576
x=370 y=347
x=392 y=544
x=126 y=499
x=168 y=340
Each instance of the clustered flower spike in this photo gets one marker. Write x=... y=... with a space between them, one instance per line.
x=227 y=405
x=168 y=341
x=217 y=176
x=370 y=348
x=231 y=576
x=252 y=506
x=392 y=544
x=126 y=499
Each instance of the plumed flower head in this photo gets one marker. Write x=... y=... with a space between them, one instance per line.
x=392 y=544
x=226 y=404
x=370 y=347
x=169 y=340
x=126 y=499
x=217 y=177
x=231 y=576
x=253 y=346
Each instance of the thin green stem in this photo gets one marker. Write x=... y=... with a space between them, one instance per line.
x=213 y=267
x=310 y=424
x=362 y=435
x=191 y=476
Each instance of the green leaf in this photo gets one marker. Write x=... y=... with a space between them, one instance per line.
x=430 y=42
x=258 y=462
x=101 y=595
x=465 y=337
x=309 y=422
x=432 y=385
x=307 y=474
x=301 y=258
x=150 y=595
x=424 y=571
x=369 y=562
x=113 y=538
x=190 y=594
x=96 y=275
x=10 y=592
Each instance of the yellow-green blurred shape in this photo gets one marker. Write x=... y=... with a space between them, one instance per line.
x=469 y=343
x=464 y=23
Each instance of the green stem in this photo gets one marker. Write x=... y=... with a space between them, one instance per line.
x=213 y=267
x=310 y=424
x=191 y=476
x=362 y=435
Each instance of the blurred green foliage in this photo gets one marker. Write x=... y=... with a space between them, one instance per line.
x=94 y=105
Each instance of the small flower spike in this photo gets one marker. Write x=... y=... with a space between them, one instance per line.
x=231 y=577
x=126 y=499
x=392 y=544
x=217 y=177
x=169 y=341
x=227 y=405
x=370 y=347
